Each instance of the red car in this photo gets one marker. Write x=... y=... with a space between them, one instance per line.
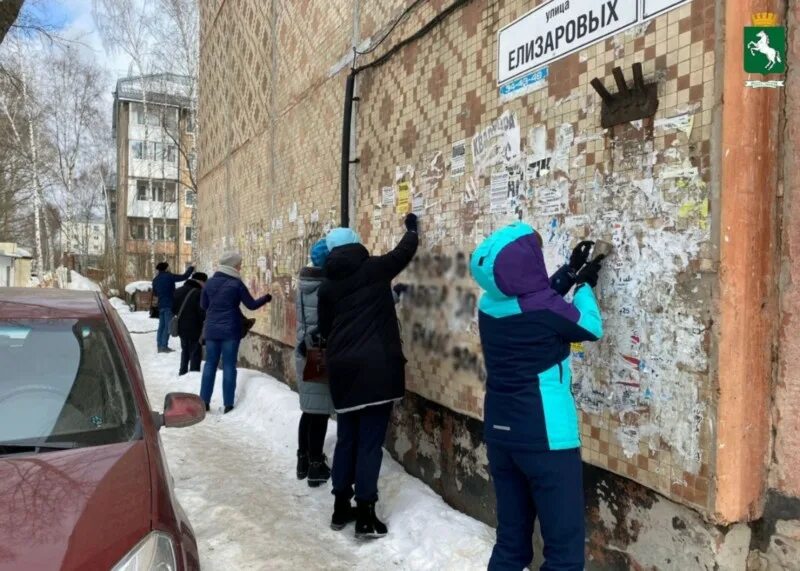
x=83 y=479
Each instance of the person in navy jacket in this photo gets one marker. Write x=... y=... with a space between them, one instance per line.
x=221 y=300
x=164 y=290
x=530 y=422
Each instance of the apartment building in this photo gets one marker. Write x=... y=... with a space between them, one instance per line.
x=154 y=133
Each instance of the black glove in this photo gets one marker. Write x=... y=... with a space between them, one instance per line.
x=590 y=272
x=400 y=289
x=580 y=255
x=412 y=223
x=269 y=298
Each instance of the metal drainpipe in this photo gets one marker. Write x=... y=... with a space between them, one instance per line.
x=346 y=134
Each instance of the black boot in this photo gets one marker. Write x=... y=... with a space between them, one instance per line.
x=368 y=526
x=318 y=472
x=343 y=513
x=228 y=409
x=208 y=407
x=302 y=465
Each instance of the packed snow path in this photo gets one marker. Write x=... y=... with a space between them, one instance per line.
x=234 y=476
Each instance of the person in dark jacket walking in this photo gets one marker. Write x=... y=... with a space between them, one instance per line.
x=365 y=363
x=164 y=290
x=530 y=421
x=221 y=298
x=315 y=396
x=191 y=316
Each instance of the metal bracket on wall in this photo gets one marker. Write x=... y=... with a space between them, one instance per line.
x=628 y=104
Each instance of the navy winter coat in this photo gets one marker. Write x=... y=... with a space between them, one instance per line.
x=164 y=286
x=220 y=300
x=526 y=329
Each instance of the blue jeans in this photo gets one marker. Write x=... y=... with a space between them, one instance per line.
x=547 y=485
x=228 y=350
x=162 y=337
x=359 y=452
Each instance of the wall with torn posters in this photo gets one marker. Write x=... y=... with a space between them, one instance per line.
x=473 y=160
x=435 y=135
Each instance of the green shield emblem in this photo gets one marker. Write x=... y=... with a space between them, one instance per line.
x=765 y=50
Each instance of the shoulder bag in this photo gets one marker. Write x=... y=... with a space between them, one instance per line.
x=315 y=370
x=173 y=325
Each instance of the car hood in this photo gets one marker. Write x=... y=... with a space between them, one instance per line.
x=73 y=509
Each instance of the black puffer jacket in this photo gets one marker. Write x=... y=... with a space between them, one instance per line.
x=190 y=324
x=357 y=317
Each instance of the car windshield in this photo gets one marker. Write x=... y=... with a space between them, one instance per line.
x=62 y=386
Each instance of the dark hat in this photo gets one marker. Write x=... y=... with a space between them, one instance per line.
x=162 y=266
x=200 y=277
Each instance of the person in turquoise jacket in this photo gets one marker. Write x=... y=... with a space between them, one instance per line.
x=530 y=422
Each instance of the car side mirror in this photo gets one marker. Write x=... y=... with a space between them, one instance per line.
x=182 y=410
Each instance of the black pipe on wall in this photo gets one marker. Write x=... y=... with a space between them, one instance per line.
x=345 y=171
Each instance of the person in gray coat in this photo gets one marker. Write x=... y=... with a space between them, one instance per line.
x=315 y=397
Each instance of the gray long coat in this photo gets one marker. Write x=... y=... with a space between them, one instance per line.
x=315 y=398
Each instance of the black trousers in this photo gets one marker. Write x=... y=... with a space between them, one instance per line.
x=191 y=354
x=359 y=452
x=311 y=437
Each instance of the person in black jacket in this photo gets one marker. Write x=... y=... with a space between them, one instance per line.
x=366 y=366
x=186 y=305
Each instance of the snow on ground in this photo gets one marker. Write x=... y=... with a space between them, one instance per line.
x=234 y=476
x=79 y=282
x=133 y=287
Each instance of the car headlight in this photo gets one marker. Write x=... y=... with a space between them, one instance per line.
x=156 y=552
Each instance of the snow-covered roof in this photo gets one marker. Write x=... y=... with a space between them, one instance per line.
x=159 y=88
x=133 y=287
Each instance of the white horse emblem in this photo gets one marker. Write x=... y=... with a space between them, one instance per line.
x=762 y=46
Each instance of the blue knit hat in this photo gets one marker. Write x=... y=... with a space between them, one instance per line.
x=319 y=253
x=341 y=237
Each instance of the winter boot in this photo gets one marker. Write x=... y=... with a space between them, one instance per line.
x=368 y=526
x=343 y=513
x=302 y=465
x=228 y=409
x=318 y=472
x=208 y=407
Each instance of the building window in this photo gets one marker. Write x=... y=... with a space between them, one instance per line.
x=138 y=231
x=140 y=114
x=171 y=154
x=169 y=196
x=137 y=149
x=187 y=234
x=170 y=119
x=190 y=122
x=162 y=192
x=191 y=198
x=141 y=189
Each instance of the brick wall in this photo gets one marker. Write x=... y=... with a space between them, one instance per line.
x=270 y=135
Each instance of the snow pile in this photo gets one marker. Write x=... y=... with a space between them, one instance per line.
x=78 y=282
x=234 y=475
x=133 y=287
x=136 y=321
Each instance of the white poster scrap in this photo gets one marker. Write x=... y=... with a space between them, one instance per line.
x=498 y=143
x=458 y=159
x=418 y=204
x=388 y=195
x=498 y=193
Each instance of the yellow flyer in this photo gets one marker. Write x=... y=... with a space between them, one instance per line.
x=403 y=197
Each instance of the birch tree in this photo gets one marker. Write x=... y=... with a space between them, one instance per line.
x=73 y=119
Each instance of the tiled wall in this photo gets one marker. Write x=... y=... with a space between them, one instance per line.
x=270 y=120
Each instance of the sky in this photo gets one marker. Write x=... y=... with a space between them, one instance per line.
x=73 y=20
